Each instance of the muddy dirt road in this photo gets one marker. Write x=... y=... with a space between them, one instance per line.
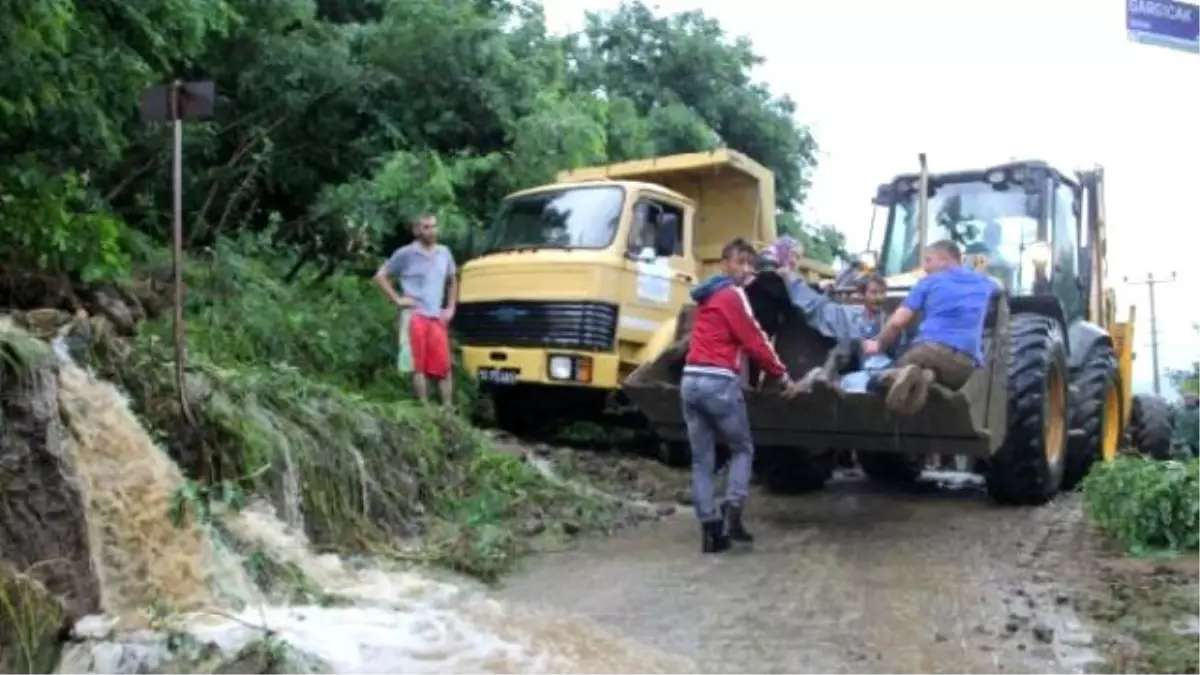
x=858 y=578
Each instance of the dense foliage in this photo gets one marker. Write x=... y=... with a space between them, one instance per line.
x=338 y=119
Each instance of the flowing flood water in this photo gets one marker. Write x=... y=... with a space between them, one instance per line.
x=854 y=579
x=388 y=620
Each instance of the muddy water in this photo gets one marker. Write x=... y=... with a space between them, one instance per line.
x=855 y=579
x=387 y=619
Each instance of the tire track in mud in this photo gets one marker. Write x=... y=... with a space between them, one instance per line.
x=855 y=579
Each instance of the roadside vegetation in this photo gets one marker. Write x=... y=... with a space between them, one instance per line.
x=1147 y=599
x=335 y=123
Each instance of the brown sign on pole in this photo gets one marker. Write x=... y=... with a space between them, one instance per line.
x=195 y=101
x=175 y=103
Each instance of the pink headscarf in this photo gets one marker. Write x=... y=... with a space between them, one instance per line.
x=779 y=252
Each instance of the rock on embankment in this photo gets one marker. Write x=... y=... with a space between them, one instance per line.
x=45 y=565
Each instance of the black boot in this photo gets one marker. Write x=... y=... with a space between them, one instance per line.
x=713 y=537
x=733 y=523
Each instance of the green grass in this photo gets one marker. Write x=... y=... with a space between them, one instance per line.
x=366 y=474
x=30 y=620
x=1151 y=509
x=1141 y=611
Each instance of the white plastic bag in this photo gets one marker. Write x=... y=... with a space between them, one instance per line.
x=404 y=359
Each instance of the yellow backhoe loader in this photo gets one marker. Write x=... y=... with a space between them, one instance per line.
x=1053 y=395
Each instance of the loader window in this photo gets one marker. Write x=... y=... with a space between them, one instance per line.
x=1065 y=278
x=580 y=217
x=998 y=223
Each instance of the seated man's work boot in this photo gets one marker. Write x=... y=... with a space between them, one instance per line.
x=733 y=523
x=713 y=537
x=909 y=390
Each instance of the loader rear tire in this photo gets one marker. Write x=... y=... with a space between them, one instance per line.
x=1028 y=467
x=891 y=467
x=1151 y=426
x=1096 y=411
x=788 y=471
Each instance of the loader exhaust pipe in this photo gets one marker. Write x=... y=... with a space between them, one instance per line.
x=923 y=205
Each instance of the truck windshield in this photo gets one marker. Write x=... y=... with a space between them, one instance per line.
x=998 y=222
x=582 y=217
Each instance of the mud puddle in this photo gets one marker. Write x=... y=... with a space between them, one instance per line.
x=854 y=579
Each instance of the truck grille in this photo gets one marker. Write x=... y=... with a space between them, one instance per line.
x=527 y=323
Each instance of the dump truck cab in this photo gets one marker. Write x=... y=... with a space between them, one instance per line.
x=580 y=281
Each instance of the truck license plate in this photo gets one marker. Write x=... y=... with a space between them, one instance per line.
x=499 y=375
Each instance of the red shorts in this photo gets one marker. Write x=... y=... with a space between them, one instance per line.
x=430 y=346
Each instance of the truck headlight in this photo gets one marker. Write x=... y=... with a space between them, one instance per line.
x=1038 y=253
x=561 y=368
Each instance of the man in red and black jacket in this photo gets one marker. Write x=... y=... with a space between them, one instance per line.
x=711 y=390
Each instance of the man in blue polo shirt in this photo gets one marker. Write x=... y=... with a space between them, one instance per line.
x=948 y=344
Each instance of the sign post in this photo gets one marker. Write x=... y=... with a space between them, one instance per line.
x=175 y=103
x=1165 y=23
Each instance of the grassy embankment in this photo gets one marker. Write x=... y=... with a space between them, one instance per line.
x=297 y=382
x=1151 y=510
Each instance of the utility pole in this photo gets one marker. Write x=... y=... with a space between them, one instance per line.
x=1150 y=283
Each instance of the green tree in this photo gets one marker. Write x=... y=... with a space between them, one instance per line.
x=338 y=120
x=693 y=81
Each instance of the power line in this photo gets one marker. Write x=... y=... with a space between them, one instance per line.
x=1150 y=283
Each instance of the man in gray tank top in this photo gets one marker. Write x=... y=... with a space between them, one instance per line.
x=425 y=271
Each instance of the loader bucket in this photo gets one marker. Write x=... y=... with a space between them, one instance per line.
x=952 y=422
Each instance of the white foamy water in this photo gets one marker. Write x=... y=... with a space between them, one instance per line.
x=386 y=619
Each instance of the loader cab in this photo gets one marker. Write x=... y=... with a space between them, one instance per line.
x=1017 y=222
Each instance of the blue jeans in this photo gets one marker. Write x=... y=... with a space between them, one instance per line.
x=714 y=404
x=857 y=381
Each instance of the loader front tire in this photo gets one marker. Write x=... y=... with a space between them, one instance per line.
x=1028 y=467
x=891 y=467
x=1151 y=426
x=1096 y=411
x=790 y=471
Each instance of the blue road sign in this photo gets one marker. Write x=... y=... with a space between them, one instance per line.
x=1165 y=23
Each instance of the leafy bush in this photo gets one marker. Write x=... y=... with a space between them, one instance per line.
x=1148 y=506
x=56 y=223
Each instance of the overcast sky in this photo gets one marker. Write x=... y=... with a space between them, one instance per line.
x=972 y=83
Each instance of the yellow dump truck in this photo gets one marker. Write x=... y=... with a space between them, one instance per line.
x=581 y=281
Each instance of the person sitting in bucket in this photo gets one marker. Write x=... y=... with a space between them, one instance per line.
x=948 y=346
x=849 y=324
